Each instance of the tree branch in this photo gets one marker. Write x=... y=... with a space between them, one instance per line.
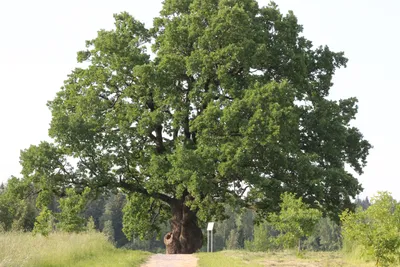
x=140 y=190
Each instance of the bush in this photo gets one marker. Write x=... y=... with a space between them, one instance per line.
x=376 y=229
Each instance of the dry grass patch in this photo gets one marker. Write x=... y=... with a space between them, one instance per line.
x=277 y=259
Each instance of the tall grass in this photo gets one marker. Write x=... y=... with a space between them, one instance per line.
x=355 y=252
x=61 y=249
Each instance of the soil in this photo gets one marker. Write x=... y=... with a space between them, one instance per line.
x=171 y=260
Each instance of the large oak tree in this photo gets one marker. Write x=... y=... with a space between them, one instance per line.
x=230 y=108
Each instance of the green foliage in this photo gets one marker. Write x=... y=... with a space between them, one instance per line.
x=44 y=222
x=376 y=229
x=295 y=221
x=232 y=109
x=108 y=231
x=95 y=209
x=107 y=215
x=139 y=209
x=329 y=235
x=68 y=219
x=90 y=225
x=17 y=206
x=232 y=241
x=72 y=206
x=113 y=213
x=326 y=236
x=263 y=238
x=245 y=226
x=223 y=229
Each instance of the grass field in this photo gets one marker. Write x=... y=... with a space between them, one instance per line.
x=278 y=259
x=92 y=249
x=60 y=249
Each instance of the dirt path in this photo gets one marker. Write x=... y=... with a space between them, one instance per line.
x=171 y=260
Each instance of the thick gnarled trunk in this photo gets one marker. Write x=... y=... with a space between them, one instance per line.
x=185 y=236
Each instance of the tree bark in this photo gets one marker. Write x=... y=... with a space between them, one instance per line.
x=185 y=237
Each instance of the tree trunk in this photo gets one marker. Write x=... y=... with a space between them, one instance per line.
x=185 y=236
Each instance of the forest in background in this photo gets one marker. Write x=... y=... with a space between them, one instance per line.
x=238 y=231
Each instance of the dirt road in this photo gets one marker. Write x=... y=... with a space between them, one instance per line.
x=171 y=260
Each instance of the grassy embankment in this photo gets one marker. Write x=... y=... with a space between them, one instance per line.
x=61 y=249
x=240 y=258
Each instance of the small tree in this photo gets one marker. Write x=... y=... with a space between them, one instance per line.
x=263 y=238
x=90 y=225
x=326 y=236
x=108 y=231
x=44 y=222
x=232 y=241
x=376 y=229
x=295 y=221
x=245 y=225
x=113 y=213
x=70 y=219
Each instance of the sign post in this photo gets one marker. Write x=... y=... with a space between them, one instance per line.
x=210 y=228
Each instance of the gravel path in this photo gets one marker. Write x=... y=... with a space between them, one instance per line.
x=171 y=260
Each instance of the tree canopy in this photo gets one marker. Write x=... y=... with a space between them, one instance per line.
x=230 y=107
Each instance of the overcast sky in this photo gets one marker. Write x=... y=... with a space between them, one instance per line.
x=39 y=40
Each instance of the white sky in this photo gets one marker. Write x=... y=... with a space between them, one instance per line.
x=39 y=40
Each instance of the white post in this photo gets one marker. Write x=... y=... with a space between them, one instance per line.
x=210 y=227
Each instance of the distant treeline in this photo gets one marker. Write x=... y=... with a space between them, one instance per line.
x=18 y=211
